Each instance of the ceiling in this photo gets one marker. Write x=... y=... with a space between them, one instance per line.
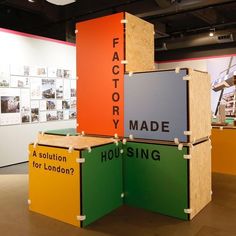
x=178 y=24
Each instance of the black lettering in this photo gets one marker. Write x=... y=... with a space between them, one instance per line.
x=144 y=126
x=34 y=154
x=156 y=155
x=130 y=152
x=116 y=123
x=115 y=97
x=165 y=126
x=115 y=41
x=110 y=154
x=154 y=126
x=115 y=56
x=103 y=156
x=117 y=152
x=115 y=110
x=115 y=70
x=133 y=125
x=144 y=153
x=115 y=81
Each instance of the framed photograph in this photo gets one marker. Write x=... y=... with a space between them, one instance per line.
x=59 y=88
x=48 y=88
x=60 y=115
x=10 y=104
x=36 y=88
x=4 y=75
x=19 y=81
x=51 y=115
x=73 y=88
x=73 y=103
x=66 y=104
x=51 y=104
x=34 y=111
x=72 y=114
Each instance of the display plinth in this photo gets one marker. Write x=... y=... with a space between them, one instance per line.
x=164 y=179
x=169 y=107
x=106 y=48
x=75 y=185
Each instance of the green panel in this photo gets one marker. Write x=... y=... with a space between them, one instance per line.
x=102 y=182
x=156 y=178
x=63 y=132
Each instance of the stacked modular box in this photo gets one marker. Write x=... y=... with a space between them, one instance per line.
x=161 y=117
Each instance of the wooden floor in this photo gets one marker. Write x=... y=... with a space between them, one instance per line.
x=218 y=218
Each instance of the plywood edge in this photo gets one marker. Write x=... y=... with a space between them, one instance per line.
x=200 y=177
x=76 y=142
x=199 y=104
x=139 y=48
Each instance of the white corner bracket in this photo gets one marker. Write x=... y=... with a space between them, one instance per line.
x=180 y=146
x=77 y=125
x=221 y=127
x=187 y=132
x=42 y=133
x=116 y=136
x=124 y=141
x=29 y=202
x=70 y=149
x=187 y=77
x=124 y=21
x=35 y=144
x=116 y=142
x=122 y=195
x=176 y=141
x=76 y=31
x=82 y=133
x=131 y=137
x=80 y=160
x=81 y=218
x=130 y=73
x=77 y=77
x=68 y=134
x=177 y=70
x=121 y=151
x=124 y=62
x=187 y=157
x=89 y=149
x=188 y=211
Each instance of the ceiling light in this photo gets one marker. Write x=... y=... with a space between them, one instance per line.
x=31 y=0
x=61 y=2
x=212 y=32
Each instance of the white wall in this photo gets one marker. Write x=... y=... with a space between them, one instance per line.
x=21 y=49
x=200 y=64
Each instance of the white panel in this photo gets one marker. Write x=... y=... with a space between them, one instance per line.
x=16 y=50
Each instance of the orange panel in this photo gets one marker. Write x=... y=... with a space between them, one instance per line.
x=100 y=87
x=223 y=151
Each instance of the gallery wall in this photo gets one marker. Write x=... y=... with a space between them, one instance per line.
x=19 y=126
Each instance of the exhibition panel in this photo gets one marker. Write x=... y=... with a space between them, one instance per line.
x=101 y=65
x=223 y=150
x=156 y=178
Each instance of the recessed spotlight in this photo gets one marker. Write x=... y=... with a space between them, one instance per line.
x=31 y=0
x=212 y=32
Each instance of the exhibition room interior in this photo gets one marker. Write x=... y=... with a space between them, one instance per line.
x=118 y=117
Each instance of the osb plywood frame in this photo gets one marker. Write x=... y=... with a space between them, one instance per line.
x=199 y=105
x=139 y=48
x=200 y=177
x=77 y=142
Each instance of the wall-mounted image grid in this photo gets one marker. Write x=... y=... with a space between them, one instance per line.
x=33 y=94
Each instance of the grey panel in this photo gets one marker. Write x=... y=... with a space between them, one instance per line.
x=156 y=97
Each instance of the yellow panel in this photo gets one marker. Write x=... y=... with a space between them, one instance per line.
x=223 y=151
x=54 y=183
